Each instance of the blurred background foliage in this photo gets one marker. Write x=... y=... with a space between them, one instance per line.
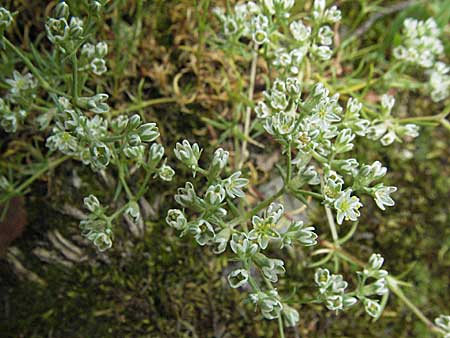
x=159 y=286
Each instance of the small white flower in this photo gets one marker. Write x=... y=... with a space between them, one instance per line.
x=382 y=196
x=299 y=31
x=238 y=278
x=347 y=206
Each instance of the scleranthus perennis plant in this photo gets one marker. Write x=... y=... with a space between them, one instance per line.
x=317 y=132
x=76 y=121
x=421 y=48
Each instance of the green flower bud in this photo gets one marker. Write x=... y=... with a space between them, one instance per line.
x=155 y=154
x=62 y=10
x=119 y=123
x=101 y=49
x=221 y=240
x=148 y=132
x=91 y=203
x=134 y=122
x=215 y=194
x=188 y=154
x=291 y=316
x=134 y=140
x=5 y=19
x=75 y=27
x=103 y=241
x=218 y=162
x=98 y=66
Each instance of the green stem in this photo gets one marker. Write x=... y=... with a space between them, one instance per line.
x=125 y=185
x=48 y=166
x=75 y=78
x=143 y=104
x=118 y=212
x=310 y=193
x=32 y=68
x=262 y=205
x=143 y=188
x=280 y=326
x=248 y=111
x=393 y=286
x=332 y=225
x=289 y=165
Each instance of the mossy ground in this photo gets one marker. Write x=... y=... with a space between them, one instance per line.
x=161 y=286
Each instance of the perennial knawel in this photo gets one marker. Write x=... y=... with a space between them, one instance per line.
x=77 y=121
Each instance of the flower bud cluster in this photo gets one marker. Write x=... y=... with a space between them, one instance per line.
x=92 y=58
x=96 y=227
x=332 y=288
x=6 y=20
x=216 y=224
x=262 y=23
x=20 y=97
x=322 y=132
x=420 y=43
x=422 y=47
x=378 y=286
x=63 y=30
x=248 y=20
x=313 y=41
x=386 y=128
x=443 y=323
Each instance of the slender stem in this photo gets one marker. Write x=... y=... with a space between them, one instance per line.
x=280 y=326
x=289 y=165
x=143 y=187
x=248 y=111
x=118 y=211
x=48 y=166
x=75 y=78
x=310 y=193
x=256 y=209
x=32 y=68
x=125 y=185
x=143 y=104
x=332 y=225
x=434 y=118
x=392 y=284
x=445 y=124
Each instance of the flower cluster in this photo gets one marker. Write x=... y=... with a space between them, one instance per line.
x=17 y=102
x=216 y=225
x=74 y=117
x=6 y=20
x=443 y=323
x=420 y=43
x=92 y=58
x=321 y=131
x=63 y=30
x=332 y=288
x=97 y=227
x=262 y=24
x=386 y=128
x=313 y=41
x=422 y=47
x=439 y=82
